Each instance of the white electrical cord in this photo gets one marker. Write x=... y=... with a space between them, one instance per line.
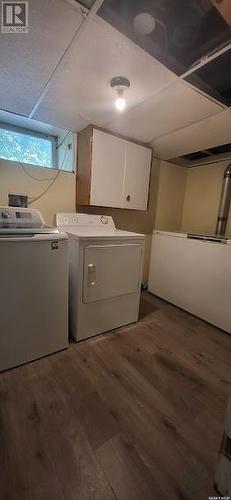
x=35 y=198
x=45 y=190
x=42 y=179
x=62 y=141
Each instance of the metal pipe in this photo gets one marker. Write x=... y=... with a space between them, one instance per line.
x=224 y=203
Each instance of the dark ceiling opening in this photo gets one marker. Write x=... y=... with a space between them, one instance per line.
x=176 y=32
x=215 y=78
x=179 y=34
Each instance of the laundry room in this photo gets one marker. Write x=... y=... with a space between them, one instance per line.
x=115 y=249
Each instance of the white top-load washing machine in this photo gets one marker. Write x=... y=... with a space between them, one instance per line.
x=105 y=273
x=34 y=287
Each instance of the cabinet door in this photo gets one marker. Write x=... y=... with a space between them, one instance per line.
x=107 y=175
x=137 y=174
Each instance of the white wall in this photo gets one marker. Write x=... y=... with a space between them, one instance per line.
x=202 y=197
x=170 y=197
x=188 y=198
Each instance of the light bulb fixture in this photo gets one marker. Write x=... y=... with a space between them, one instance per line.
x=120 y=84
x=120 y=101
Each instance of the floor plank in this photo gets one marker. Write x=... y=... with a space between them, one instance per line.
x=77 y=467
x=133 y=414
x=26 y=466
x=126 y=471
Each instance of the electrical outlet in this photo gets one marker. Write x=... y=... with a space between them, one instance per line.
x=17 y=200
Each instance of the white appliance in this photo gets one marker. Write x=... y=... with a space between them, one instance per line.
x=194 y=273
x=105 y=274
x=34 y=286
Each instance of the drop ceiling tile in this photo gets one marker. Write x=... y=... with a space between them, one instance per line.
x=172 y=108
x=210 y=132
x=98 y=55
x=65 y=116
x=28 y=59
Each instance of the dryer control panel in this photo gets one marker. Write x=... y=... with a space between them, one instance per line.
x=84 y=220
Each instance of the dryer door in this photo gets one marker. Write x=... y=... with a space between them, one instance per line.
x=111 y=270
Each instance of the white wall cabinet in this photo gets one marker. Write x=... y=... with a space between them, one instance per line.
x=107 y=170
x=136 y=176
x=112 y=172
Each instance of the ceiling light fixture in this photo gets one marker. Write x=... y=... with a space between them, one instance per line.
x=120 y=84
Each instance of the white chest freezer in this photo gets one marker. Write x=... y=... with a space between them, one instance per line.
x=194 y=273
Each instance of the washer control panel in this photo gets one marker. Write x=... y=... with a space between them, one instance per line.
x=20 y=217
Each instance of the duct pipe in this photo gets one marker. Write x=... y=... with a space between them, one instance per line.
x=224 y=203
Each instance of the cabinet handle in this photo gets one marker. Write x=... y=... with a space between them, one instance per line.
x=128 y=197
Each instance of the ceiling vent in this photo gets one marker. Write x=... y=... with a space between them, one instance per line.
x=211 y=155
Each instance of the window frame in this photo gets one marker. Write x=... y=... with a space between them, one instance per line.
x=34 y=133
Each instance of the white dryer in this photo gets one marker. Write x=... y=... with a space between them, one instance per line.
x=105 y=266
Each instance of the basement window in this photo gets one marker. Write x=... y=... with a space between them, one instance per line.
x=27 y=146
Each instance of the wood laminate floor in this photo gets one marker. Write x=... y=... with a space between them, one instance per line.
x=136 y=414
